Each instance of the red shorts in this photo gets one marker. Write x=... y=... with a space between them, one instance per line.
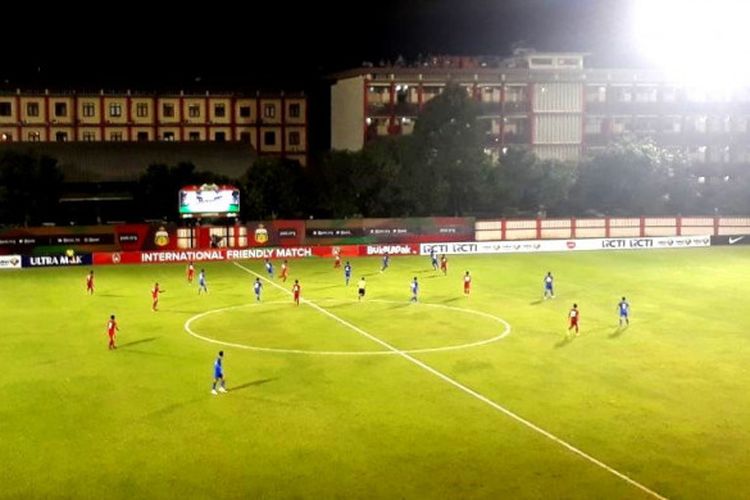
x=296 y=296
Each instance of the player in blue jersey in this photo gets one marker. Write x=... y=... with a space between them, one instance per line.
x=257 y=288
x=434 y=258
x=347 y=272
x=414 y=290
x=269 y=268
x=386 y=261
x=219 y=374
x=624 y=308
x=202 y=282
x=549 y=290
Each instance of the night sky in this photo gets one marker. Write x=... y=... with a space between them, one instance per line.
x=282 y=44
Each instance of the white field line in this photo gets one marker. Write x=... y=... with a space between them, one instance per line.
x=280 y=350
x=470 y=392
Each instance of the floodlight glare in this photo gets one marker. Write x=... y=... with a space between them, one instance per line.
x=700 y=42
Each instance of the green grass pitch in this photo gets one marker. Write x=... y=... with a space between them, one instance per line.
x=665 y=401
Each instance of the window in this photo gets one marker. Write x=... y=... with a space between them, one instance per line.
x=194 y=111
x=245 y=111
x=672 y=124
x=244 y=136
x=142 y=136
x=269 y=111
x=294 y=138
x=34 y=136
x=269 y=138
x=294 y=110
x=646 y=94
x=596 y=93
x=515 y=93
x=167 y=110
x=32 y=109
x=594 y=124
x=61 y=109
x=623 y=94
x=89 y=136
x=115 y=109
x=169 y=136
x=61 y=136
x=5 y=108
x=220 y=111
x=88 y=109
x=194 y=136
x=141 y=110
x=115 y=136
x=220 y=136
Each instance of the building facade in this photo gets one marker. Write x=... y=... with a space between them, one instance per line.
x=549 y=102
x=272 y=124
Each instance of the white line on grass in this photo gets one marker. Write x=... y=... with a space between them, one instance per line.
x=502 y=335
x=467 y=390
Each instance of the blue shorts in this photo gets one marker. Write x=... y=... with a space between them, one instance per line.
x=623 y=314
x=218 y=374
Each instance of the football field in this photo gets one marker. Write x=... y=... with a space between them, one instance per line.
x=479 y=396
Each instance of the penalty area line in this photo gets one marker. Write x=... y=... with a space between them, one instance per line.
x=467 y=390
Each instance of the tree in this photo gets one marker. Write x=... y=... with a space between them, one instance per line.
x=274 y=188
x=631 y=177
x=521 y=183
x=30 y=188
x=447 y=168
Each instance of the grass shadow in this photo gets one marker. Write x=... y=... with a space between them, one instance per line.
x=617 y=332
x=252 y=384
x=536 y=302
x=568 y=339
x=136 y=342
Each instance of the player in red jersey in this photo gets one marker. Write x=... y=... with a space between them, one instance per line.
x=574 y=314
x=155 y=296
x=337 y=256
x=296 y=289
x=112 y=328
x=90 y=283
x=444 y=264
x=467 y=283
x=284 y=271
x=190 y=272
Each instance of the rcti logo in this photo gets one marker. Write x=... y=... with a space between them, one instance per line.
x=161 y=238
x=261 y=234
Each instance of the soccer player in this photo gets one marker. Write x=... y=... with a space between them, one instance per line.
x=90 y=283
x=624 y=308
x=434 y=259
x=219 y=375
x=574 y=314
x=269 y=268
x=155 y=296
x=202 y=282
x=361 y=288
x=414 y=290
x=444 y=264
x=467 y=283
x=549 y=286
x=347 y=272
x=337 y=257
x=257 y=287
x=296 y=289
x=112 y=330
x=284 y=270
x=386 y=261
x=190 y=272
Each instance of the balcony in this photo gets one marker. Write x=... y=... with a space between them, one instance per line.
x=516 y=107
x=406 y=109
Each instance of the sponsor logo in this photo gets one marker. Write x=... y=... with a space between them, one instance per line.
x=10 y=262
x=55 y=260
x=391 y=249
x=630 y=243
x=570 y=244
x=261 y=234
x=732 y=240
x=116 y=258
x=161 y=238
